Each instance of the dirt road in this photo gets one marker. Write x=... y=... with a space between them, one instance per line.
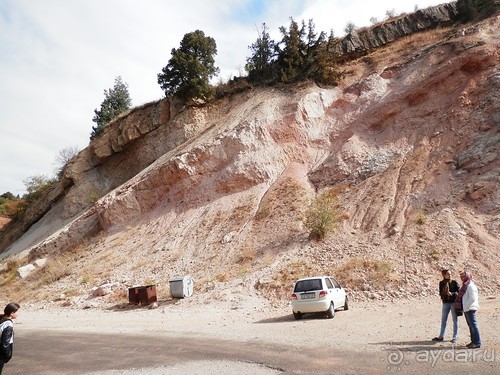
x=187 y=338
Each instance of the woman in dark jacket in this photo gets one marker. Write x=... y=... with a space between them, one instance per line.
x=448 y=290
x=7 y=333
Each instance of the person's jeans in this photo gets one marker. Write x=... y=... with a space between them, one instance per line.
x=447 y=307
x=470 y=317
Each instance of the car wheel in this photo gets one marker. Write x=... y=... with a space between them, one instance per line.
x=297 y=315
x=346 y=304
x=330 y=313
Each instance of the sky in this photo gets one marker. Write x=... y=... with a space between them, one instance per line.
x=58 y=56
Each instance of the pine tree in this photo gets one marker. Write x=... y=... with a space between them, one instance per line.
x=189 y=70
x=116 y=101
x=292 y=56
x=260 y=65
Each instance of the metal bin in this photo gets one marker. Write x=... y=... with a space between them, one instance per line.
x=181 y=286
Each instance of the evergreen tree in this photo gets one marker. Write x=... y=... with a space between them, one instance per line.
x=190 y=68
x=260 y=65
x=116 y=101
x=325 y=69
x=315 y=50
x=292 y=54
x=307 y=55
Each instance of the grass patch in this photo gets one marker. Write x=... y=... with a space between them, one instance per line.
x=356 y=273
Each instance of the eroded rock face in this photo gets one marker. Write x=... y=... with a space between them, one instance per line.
x=361 y=41
x=411 y=150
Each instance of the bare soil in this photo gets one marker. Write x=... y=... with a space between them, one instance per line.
x=399 y=332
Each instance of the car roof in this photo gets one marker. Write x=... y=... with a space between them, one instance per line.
x=313 y=277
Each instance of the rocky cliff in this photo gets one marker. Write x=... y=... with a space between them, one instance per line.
x=361 y=41
x=79 y=187
x=408 y=144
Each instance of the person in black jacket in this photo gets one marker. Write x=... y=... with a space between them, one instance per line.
x=448 y=290
x=7 y=333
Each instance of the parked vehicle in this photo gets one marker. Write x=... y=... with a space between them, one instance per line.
x=316 y=295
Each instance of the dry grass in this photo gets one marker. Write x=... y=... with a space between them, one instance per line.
x=223 y=277
x=287 y=197
x=281 y=285
x=247 y=255
x=39 y=284
x=394 y=52
x=357 y=273
x=8 y=276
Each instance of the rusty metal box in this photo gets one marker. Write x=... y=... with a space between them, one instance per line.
x=142 y=295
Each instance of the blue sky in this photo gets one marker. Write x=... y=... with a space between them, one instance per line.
x=57 y=57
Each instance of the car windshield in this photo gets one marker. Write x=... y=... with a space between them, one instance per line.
x=306 y=285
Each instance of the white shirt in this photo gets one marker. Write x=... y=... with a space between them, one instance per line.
x=470 y=299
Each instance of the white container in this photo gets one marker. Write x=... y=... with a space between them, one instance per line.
x=181 y=286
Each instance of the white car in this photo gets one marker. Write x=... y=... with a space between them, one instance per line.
x=318 y=294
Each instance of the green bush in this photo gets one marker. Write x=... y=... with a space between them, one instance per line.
x=421 y=219
x=322 y=215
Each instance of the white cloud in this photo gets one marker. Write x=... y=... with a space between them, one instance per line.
x=58 y=56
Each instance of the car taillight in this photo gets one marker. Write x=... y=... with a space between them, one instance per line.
x=323 y=293
x=293 y=296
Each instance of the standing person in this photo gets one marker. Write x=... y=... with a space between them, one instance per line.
x=448 y=291
x=468 y=300
x=7 y=333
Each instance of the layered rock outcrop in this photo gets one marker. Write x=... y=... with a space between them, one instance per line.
x=359 y=42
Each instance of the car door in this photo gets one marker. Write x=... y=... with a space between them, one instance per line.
x=331 y=291
x=337 y=293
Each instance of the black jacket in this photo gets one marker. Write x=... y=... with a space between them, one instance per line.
x=5 y=346
x=454 y=288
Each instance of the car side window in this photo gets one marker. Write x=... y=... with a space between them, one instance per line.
x=337 y=285
x=329 y=284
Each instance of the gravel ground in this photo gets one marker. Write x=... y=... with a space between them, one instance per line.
x=402 y=328
x=199 y=368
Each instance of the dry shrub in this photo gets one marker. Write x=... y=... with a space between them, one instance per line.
x=247 y=255
x=263 y=212
x=280 y=287
x=52 y=271
x=322 y=215
x=118 y=295
x=420 y=220
x=222 y=277
x=32 y=287
x=72 y=292
x=240 y=213
x=357 y=273
x=9 y=274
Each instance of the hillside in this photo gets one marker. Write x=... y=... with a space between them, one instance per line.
x=409 y=144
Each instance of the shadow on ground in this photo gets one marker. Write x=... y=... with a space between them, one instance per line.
x=290 y=318
x=132 y=306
